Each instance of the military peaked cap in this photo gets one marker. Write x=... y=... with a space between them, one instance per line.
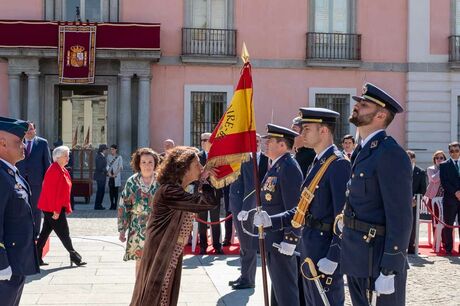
x=277 y=131
x=318 y=115
x=376 y=95
x=14 y=126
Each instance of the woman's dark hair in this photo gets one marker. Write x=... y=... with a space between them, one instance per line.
x=114 y=146
x=176 y=164
x=136 y=158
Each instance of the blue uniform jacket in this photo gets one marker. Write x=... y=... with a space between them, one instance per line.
x=35 y=165
x=243 y=197
x=280 y=191
x=379 y=193
x=329 y=199
x=16 y=226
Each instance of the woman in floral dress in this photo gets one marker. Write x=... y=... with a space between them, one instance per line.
x=169 y=227
x=136 y=203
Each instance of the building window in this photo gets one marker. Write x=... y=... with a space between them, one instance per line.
x=88 y=10
x=210 y=14
x=341 y=104
x=206 y=110
x=332 y=16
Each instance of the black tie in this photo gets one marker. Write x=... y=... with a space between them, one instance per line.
x=456 y=164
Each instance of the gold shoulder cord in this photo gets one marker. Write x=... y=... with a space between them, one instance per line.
x=308 y=194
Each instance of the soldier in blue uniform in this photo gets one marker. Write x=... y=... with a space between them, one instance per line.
x=378 y=213
x=318 y=241
x=18 y=255
x=280 y=191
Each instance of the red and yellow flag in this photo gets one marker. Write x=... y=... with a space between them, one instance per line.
x=235 y=134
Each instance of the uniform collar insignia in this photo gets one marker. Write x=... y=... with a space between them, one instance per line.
x=374 y=144
x=10 y=172
x=322 y=161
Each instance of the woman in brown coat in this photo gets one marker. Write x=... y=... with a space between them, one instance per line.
x=169 y=227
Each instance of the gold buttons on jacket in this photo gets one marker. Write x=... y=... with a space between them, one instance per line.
x=13 y=244
x=395 y=247
x=361 y=174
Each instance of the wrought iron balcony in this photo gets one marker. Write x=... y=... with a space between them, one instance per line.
x=333 y=46
x=454 y=49
x=208 y=42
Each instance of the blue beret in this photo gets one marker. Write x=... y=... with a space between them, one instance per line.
x=14 y=126
x=376 y=95
x=318 y=115
x=274 y=130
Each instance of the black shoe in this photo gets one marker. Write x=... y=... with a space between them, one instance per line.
x=239 y=286
x=202 y=251
x=226 y=243
x=449 y=253
x=219 y=251
x=99 y=208
x=113 y=207
x=231 y=283
x=42 y=263
x=75 y=258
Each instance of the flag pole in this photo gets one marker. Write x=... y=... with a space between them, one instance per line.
x=245 y=57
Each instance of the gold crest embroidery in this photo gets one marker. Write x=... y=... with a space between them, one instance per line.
x=364 y=90
x=268 y=197
x=77 y=56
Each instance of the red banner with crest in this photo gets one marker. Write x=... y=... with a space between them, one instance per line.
x=77 y=54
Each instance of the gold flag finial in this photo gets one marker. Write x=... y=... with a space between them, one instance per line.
x=244 y=53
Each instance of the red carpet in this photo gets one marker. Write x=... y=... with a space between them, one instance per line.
x=233 y=249
x=428 y=250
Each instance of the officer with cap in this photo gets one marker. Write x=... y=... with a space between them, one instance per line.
x=303 y=155
x=318 y=241
x=280 y=191
x=18 y=255
x=378 y=214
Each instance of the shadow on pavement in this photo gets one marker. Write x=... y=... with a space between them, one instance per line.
x=200 y=261
x=454 y=260
x=417 y=261
x=44 y=273
x=236 y=297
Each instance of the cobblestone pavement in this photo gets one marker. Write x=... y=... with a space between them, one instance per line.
x=107 y=280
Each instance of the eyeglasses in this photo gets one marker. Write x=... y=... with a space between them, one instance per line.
x=454 y=151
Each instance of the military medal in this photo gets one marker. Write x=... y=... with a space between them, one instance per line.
x=268 y=197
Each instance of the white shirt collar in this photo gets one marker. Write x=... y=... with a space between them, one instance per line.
x=318 y=156
x=9 y=165
x=369 y=137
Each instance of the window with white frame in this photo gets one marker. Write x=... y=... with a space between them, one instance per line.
x=341 y=104
x=88 y=10
x=206 y=109
x=209 y=14
x=332 y=16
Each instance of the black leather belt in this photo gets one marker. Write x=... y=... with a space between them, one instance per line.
x=361 y=226
x=316 y=224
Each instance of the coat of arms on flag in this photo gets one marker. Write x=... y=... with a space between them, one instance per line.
x=77 y=53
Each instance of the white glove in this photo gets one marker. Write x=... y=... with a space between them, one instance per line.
x=262 y=219
x=5 y=274
x=327 y=266
x=242 y=215
x=287 y=248
x=385 y=284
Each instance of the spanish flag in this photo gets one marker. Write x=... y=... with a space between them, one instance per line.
x=235 y=134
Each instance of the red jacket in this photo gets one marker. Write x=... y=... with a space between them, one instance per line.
x=55 y=190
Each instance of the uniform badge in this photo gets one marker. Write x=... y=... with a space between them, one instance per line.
x=10 y=172
x=270 y=184
x=268 y=197
x=322 y=161
x=374 y=144
x=364 y=90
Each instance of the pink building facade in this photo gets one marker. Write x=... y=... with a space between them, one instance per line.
x=303 y=53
